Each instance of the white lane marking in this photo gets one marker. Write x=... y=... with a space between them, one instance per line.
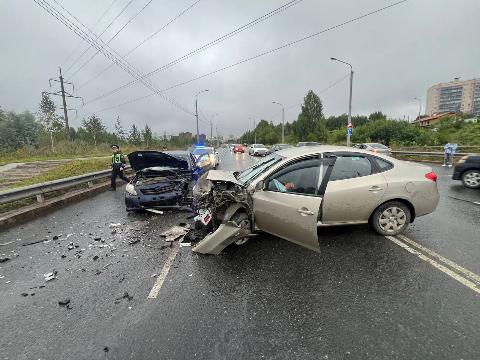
x=163 y=274
x=470 y=274
x=454 y=275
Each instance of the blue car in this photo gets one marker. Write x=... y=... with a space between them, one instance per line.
x=163 y=180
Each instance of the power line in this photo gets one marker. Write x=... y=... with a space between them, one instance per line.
x=112 y=38
x=60 y=17
x=204 y=47
x=149 y=37
x=97 y=36
x=258 y=55
x=93 y=27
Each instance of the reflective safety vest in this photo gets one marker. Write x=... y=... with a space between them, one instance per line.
x=117 y=158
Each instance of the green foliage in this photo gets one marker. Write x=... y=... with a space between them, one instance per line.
x=147 y=136
x=17 y=130
x=134 y=137
x=94 y=128
x=310 y=124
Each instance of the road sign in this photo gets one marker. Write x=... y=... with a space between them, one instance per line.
x=349 y=131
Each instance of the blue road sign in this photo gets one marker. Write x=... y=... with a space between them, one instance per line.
x=349 y=131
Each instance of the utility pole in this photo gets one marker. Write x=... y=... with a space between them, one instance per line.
x=218 y=140
x=349 y=125
x=211 y=130
x=420 y=106
x=65 y=111
x=196 y=113
x=283 y=120
x=64 y=94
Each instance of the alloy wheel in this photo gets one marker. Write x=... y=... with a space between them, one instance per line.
x=244 y=224
x=472 y=179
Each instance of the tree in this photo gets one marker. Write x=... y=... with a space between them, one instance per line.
x=147 y=136
x=94 y=127
x=377 y=115
x=50 y=121
x=119 y=130
x=307 y=125
x=134 y=137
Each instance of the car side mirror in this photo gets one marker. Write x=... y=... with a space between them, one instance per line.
x=259 y=186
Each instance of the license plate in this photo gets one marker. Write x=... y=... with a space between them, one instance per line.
x=206 y=217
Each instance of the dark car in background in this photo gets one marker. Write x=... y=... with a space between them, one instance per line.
x=375 y=148
x=467 y=170
x=163 y=180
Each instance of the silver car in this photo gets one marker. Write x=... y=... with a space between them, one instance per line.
x=258 y=150
x=296 y=192
x=375 y=148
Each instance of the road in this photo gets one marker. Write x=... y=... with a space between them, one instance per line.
x=363 y=297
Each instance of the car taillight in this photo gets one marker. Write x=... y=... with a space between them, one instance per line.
x=431 y=176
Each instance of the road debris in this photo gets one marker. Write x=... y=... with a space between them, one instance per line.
x=24 y=294
x=125 y=295
x=64 y=302
x=114 y=225
x=95 y=257
x=36 y=242
x=133 y=242
x=8 y=243
x=97 y=238
x=160 y=212
x=185 y=244
x=154 y=275
x=50 y=276
x=174 y=233
x=4 y=259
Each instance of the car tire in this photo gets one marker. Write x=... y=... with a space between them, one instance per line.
x=471 y=179
x=242 y=220
x=391 y=218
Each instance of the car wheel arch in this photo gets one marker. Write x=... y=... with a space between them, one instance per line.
x=407 y=203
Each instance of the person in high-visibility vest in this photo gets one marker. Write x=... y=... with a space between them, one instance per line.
x=118 y=164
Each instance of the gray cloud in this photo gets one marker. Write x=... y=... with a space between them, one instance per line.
x=396 y=56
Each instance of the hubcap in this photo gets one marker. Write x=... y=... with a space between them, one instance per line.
x=392 y=219
x=472 y=179
x=244 y=224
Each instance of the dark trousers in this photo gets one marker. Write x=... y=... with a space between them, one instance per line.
x=117 y=172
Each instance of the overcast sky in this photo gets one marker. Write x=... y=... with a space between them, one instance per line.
x=396 y=54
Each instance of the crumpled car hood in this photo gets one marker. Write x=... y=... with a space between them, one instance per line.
x=146 y=159
x=223 y=175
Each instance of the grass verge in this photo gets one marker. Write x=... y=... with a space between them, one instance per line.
x=72 y=168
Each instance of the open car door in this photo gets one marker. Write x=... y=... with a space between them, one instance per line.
x=290 y=202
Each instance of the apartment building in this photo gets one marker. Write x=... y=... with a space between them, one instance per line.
x=454 y=96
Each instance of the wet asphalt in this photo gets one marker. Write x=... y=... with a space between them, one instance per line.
x=362 y=297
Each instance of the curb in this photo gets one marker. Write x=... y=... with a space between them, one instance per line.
x=32 y=211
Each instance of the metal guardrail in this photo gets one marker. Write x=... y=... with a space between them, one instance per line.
x=39 y=190
x=426 y=153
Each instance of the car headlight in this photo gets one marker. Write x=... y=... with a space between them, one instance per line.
x=130 y=189
x=462 y=160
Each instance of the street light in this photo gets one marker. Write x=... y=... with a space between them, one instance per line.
x=420 y=105
x=350 y=99
x=196 y=112
x=283 y=120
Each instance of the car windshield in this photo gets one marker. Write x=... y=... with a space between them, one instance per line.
x=251 y=173
x=258 y=146
x=378 y=146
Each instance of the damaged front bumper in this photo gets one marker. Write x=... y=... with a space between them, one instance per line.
x=221 y=195
x=225 y=235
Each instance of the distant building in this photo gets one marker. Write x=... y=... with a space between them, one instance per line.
x=185 y=135
x=202 y=138
x=455 y=96
x=426 y=121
